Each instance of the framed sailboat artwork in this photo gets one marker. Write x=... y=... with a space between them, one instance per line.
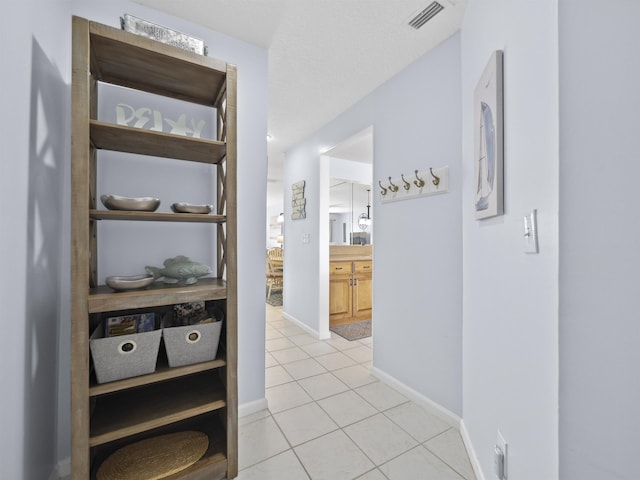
x=488 y=140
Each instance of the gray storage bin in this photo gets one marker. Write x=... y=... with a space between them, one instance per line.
x=124 y=356
x=192 y=343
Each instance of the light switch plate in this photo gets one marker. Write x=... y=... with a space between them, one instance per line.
x=501 y=446
x=530 y=223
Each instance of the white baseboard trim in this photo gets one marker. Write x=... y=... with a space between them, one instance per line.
x=250 y=408
x=473 y=458
x=305 y=327
x=429 y=405
x=436 y=409
x=61 y=470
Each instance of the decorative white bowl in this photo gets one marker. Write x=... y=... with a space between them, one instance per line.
x=118 y=282
x=139 y=204
x=190 y=208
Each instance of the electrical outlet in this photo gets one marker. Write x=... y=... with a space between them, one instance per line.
x=500 y=457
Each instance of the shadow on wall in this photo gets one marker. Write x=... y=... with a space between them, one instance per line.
x=48 y=144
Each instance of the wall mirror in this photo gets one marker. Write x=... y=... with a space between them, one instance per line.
x=350 y=213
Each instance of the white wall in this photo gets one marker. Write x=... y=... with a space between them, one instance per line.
x=417 y=255
x=510 y=338
x=357 y=172
x=35 y=145
x=34 y=230
x=302 y=260
x=599 y=302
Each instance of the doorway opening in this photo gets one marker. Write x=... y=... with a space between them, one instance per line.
x=350 y=237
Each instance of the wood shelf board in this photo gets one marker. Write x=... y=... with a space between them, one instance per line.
x=130 y=60
x=126 y=413
x=122 y=138
x=213 y=464
x=163 y=372
x=156 y=216
x=104 y=299
x=210 y=467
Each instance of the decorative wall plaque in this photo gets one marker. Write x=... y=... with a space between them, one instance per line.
x=298 y=202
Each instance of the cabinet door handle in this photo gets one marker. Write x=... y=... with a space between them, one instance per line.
x=338 y=268
x=355 y=282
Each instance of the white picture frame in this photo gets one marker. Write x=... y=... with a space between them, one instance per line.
x=488 y=128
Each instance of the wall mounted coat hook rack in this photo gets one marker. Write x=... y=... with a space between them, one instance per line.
x=439 y=183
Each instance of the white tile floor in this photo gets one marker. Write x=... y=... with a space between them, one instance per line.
x=329 y=419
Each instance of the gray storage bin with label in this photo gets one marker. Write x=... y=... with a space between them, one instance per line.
x=191 y=343
x=124 y=356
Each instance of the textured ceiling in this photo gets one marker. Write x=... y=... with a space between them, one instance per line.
x=324 y=55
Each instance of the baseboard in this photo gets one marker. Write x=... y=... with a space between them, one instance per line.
x=429 y=405
x=306 y=328
x=436 y=409
x=250 y=408
x=471 y=452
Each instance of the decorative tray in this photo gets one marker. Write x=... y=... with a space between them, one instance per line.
x=190 y=208
x=118 y=282
x=139 y=204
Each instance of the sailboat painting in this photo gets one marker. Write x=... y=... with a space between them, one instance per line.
x=488 y=143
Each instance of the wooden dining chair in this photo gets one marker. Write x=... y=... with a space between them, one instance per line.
x=274 y=277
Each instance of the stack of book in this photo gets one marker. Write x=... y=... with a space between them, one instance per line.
x=128 y=324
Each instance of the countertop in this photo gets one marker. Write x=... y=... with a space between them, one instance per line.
x=349 y=258
x=350 y=253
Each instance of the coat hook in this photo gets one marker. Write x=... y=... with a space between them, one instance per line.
x=392 y=187
x=406 y=185
x=436 y=179
x=383 y=192
x=418 y=182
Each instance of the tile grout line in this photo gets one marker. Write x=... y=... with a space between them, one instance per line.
x=340 y=428
x=349 y=389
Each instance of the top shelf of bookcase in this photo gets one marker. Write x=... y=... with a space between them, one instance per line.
x=129 y=60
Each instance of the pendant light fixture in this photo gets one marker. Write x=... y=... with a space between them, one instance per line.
x=364 y=220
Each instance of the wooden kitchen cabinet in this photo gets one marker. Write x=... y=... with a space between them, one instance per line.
x=350 y=293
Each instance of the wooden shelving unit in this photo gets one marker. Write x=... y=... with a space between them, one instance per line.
x=202 y=396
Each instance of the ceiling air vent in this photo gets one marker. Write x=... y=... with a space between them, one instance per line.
x=425 y=15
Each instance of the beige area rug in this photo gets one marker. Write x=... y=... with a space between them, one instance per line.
x=353 y=331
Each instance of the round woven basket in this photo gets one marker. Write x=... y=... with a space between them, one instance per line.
x=154 y=458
